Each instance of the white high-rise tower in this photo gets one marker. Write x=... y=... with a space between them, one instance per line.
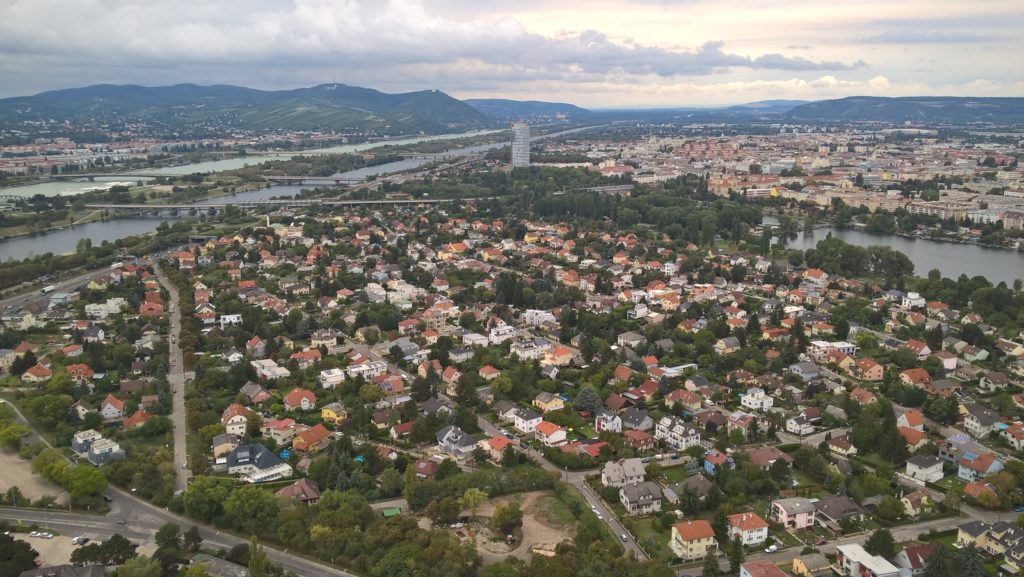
x=520 y=144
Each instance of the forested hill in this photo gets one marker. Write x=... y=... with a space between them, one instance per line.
x=938 y=109
x=335 y=107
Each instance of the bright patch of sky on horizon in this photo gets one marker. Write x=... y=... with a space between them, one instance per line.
x=597 y=53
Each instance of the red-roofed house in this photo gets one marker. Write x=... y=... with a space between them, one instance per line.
x=749 y=528
x=312 y=439
x=36 y=374
x=911 y=419
x=300 y=399
x=137 y=420
x=550 y=434
x=112 y=408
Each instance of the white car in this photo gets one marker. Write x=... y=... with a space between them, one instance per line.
x=771 y=549
x=34 y=534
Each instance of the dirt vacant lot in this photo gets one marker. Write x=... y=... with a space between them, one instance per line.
x=17 y=473
x=546 y=522
x=56 y=551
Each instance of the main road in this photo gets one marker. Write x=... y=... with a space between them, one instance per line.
x=139 y=521
x=176 y=380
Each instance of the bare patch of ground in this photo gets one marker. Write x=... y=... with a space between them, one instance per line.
x=17 y=473
x=55 y=551
x=541 y=529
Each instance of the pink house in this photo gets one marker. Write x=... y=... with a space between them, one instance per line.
x=794 y=513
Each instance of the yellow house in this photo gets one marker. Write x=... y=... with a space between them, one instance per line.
x=975 y=533
x=691 y=540
x=548 y=402
x=811 y=565
x=333 y=413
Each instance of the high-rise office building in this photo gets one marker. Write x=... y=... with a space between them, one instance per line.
x=520 y=144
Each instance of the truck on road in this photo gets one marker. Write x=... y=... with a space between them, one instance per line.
x=48 y=289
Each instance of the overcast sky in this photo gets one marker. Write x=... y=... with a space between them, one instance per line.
x=597 y=53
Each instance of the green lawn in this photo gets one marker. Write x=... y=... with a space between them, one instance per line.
x=674 y=474
x=652 y=538
x=952 y=482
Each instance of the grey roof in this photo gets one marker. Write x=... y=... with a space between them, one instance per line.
x=618 y=471
x=974 y=528
x=454 y=436
x=924 y=461
x=226 y=438
x=795 y=505
x=697 y=484
x=502 y=407
x=634 y=417
x=527 y=414
x=253 y=454
x=985 y=415
x=641 y=492
x=838 y=507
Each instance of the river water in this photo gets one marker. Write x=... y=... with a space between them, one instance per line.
x=950 y=258
x=63 y=241
x=73 y=187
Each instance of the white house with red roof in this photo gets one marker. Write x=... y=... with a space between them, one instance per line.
x=112 y=408
x=300 y=399
x=749 y=528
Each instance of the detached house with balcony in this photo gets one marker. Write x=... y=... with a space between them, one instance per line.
x=642 y=498
x=748 y=528
x=756 y=400
x=794 y=513
x=691 y=540
x=622 y=472
x=676 y=433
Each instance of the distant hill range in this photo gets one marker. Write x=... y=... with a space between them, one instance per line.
x=766 y=106
x=940 y=109
x=510 y=110
x=325 y=107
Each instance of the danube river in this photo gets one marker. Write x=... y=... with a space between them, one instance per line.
x=950 y=258
x=71 y=187
x=63 y=241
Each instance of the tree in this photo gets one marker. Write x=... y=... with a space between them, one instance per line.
x=881 y=543
x=969 y=562
x=472 y=499
x=951 y=501
x=167 y=537
x=259 y=565
x=253 y=510
x=443 y=511
x=711 y=568
x=191 y=540
x=197 y=570
x=140 y=567
x=16 y=556
x=890 y=509
x=205 y=498
x=736 y=555
x=588 y=400
x=653 y=470
x=779 y=471
x=720 y=523
x=85 y=483
x=940 y=564
x=507 y=518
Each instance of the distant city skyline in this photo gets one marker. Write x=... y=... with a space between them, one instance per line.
x=594 y=54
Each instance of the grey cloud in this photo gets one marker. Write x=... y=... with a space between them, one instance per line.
x=912 y=36
x=354 y=38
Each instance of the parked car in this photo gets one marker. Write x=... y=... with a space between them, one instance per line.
x=772 y=548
